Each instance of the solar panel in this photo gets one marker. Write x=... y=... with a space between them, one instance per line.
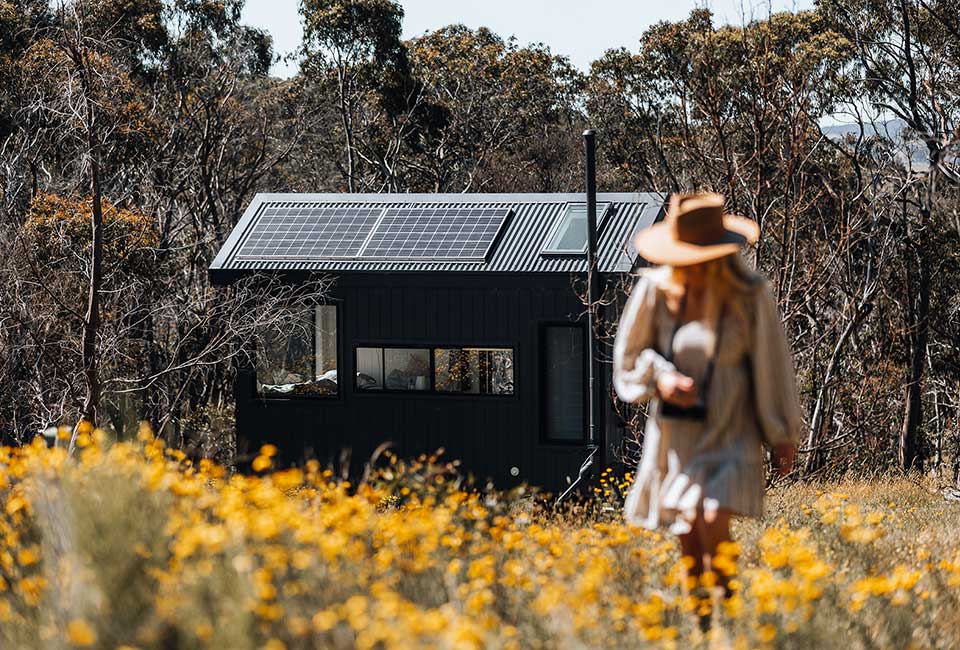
x=300 y=231
x=435 y=233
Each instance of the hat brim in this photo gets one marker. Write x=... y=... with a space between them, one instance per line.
x=658 y=243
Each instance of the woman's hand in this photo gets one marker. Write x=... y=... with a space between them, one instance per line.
x=676 y=388
x=783 y=457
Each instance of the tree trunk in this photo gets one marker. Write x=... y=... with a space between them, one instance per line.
x=91 y=320
x=346 y=120
x=818 y=424
x=917 y=317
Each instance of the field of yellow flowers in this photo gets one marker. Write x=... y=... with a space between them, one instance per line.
x=131 y=545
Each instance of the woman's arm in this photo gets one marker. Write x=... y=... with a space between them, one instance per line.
x=776 y=401
x=637 y=366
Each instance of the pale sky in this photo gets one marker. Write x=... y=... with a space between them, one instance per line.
x=579 y=29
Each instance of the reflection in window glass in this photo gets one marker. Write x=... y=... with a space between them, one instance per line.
x=393 y=368
x=369 y=368
x=297 y=354
x=325 y=341
x=474 y=370
x=406 y=368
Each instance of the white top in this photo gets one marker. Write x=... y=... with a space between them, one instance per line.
x=688 y=465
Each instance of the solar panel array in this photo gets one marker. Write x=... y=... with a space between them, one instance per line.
x=435 y=233
x=311 y=232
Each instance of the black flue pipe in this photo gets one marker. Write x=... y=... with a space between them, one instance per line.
x=590 y=146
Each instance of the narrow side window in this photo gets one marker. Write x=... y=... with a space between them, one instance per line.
x=563 y=372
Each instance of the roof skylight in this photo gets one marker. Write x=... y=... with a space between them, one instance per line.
x=569 y=235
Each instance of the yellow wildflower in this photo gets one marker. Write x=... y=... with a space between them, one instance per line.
x=79 y=633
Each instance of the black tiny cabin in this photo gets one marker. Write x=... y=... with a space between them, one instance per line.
x=453 y=321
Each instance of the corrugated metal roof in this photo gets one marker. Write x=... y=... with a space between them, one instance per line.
x=518 y=249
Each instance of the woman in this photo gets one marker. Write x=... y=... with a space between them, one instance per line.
x=701 y=337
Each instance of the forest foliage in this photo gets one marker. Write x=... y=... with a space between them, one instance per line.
x=155 y=123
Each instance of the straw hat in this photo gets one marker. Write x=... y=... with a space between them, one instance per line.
x=695 y=230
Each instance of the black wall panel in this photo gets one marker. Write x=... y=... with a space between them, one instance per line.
x=488 y=434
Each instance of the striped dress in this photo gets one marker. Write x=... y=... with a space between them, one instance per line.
x=688 y=466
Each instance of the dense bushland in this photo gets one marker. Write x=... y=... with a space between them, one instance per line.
x=155 y=122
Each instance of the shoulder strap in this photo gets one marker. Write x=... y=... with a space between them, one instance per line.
x=708 y=377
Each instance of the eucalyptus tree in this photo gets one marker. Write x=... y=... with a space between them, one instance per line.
x=160 y=109
x=737 y=109
x=352 y=48
x=907 y=62
x=505 y=116
x=79 y=94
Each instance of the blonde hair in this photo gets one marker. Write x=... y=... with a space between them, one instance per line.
x=728 y=280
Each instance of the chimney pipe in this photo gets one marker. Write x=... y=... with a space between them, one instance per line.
x=589 y=141
x=590 y=146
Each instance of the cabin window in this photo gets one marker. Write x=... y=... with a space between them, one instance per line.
x=487 y=371
x=463 y=370
x=569 y=235
x=297 y=354
x=563 y=372
x=393 y=368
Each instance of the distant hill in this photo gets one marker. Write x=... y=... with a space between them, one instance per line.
x=911 y=147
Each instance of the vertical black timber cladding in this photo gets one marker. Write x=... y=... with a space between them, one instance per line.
x=525 y=358
x=489 y=434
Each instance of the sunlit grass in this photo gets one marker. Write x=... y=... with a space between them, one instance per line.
x=132 y=545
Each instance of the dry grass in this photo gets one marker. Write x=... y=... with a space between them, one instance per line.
x=132 y=546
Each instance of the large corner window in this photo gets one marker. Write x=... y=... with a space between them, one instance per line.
x=569 y=235
x=465 y=370
x=297 y=354
x=564 y=389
